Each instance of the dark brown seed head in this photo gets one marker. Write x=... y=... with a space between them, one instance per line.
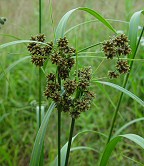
x=62 y=43
x=56 y=59
x=70 y=86
x=48 y=49
x=56 y=97
x=38 y=61
x=113 y=74
x=63 y=72
x=109 y=49
x=75 y=114
x=40 y=38
x=85 y=73
x=123 y=67
x=70 y=62
x=51 y=77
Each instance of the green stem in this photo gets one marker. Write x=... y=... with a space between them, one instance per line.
x=41 y=162
x=40 y=15
x=70 y=140
x=39 y=97
x=124 y=85
x=59 y=127
x=89 y=47
x=59 y=136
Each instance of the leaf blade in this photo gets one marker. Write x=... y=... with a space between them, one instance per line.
x=111 y=145
x=123 y=90
x=60 y=30
x=35 y=156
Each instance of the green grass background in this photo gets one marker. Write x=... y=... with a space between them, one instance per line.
x=19 y=86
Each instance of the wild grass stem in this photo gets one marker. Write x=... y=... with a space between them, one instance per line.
x=69 y=142
x=41 y=162
x=124 y=85
x=59 y=128
x=59 y=137
x=39 y=97
x=89 y=47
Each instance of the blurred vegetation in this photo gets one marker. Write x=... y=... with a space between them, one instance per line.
x=18 y=87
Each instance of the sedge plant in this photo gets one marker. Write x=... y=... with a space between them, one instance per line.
x=72 y=95
x=69 y=86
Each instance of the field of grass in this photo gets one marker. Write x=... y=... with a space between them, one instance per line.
x=19 y=83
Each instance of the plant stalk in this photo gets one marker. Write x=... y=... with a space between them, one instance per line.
x=69 y=142
x=39 y=97
x=84 y=49
x=41 y=162
x=59 y=127
x=124 y=85
x=40 y=15
x=59 y=137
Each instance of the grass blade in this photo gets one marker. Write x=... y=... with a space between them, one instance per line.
x=19 y=42
x=12 y=66
x=111 y=145
x=35 y=157
x=92 y=21
x=127 y=125
x=133 y=29
x=123 y=90
x=83 y=148
x=60 y=30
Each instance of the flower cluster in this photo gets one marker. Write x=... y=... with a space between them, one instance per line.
x=83 y=97
x=76 y=97
x=52 y=88
x=62 y=57
x=39 y=50
x=117 y=47
x=2 y=21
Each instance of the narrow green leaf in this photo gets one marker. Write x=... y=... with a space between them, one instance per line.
x=83 y=148
x=91 y=21
x=133 y=29
x=111 y=145
x=60 y=30
x=35 y=157
x=12 y=66
x=127 y=125
x=137 y=162
x=123 y=90
x=19 y=42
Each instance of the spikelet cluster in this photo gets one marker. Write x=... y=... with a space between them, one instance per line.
x=62 y=57
x=39 y=51
x=117 y=47
x=76 y=97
